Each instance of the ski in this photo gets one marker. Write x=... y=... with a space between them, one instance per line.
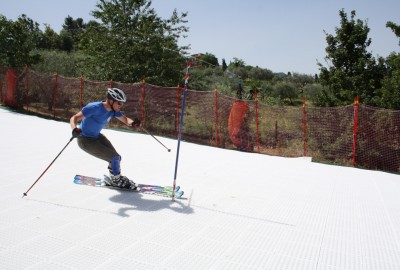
x=165 y=191
x=96 y=181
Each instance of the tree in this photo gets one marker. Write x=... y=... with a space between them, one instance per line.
x=258 y=73
x=236 y=62
x=300 y=80
x=395 y=28
x=66 y=40
x=17 y=40
x=65 y=63
x=49 y=40
x=224 y=65
x=132 y=43
x=285 y=90
x=352 y=70
x=391 y=83
x=209 y=60
x=75 y=28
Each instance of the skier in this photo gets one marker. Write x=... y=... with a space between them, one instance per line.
x=93 y=117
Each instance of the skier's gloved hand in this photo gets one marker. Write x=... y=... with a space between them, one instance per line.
x=136 y=123
x=76 y=132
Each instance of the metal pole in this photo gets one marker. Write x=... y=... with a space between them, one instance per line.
x=26 y=193
x=180 y=126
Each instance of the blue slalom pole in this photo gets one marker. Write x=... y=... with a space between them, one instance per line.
x=181 y=126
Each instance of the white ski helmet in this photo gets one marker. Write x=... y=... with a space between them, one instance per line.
x=116 y=94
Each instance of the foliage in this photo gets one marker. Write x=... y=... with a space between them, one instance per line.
x=395 y=28
x=68 y=64
x=391 y=83
x=352 y=71
x=285 y=90
x=17 y=40
x=209 y=60
x=260 y=74
x=49 y=39
x=390 y=91
x=236 y=62
x=132 y=43
x=224 y=65
x=66 y=41
x=75 y=28
x=207 y=79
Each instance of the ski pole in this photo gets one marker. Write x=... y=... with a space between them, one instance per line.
x=169 y=150
x=26 y=193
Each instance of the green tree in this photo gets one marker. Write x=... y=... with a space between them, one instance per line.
x=209 y=60
x=224 y=65
x=236 y=62
x=75 y=28
x=49 y=40
x=391 y=83
x=285 y=90
x=66 y=40
x=17 y=40
x=132 y=43
x=395 y=28
x=352 y=70
x=68 y=64
x=300 y=80
x=258 y=73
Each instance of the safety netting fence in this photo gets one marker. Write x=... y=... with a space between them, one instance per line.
x=353 y=135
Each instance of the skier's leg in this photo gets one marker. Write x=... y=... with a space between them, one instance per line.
x=102 y=148
x=116 y=179
x=115 y=165
x=99 y=147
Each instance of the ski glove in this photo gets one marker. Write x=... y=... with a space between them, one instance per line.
x=76 y=132
x=136 y=123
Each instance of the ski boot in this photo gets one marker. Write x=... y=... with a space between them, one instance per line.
x=119 y=181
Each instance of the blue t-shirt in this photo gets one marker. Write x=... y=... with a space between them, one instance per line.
x=96 y=117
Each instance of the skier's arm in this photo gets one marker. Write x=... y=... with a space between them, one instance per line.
x=128 y=121
x=73 y=121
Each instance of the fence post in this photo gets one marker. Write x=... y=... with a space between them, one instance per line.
x=81 y=93
x=304 y=127
x=276 y=133
x=216 y=117
x=55 y=95
x=143 y=99
x=355 y=128
x=11 y=88
x=257 y=133
x=26 y=88
x=1 y=91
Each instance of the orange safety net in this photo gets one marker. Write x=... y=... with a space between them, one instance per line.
x=336 y=135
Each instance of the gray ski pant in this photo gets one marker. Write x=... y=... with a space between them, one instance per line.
x=99 y=147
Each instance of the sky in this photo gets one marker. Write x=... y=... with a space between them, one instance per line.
x=283 y=36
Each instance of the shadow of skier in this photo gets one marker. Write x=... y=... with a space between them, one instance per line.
x=136 y=201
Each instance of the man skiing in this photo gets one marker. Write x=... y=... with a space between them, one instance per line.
x=93 y=117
